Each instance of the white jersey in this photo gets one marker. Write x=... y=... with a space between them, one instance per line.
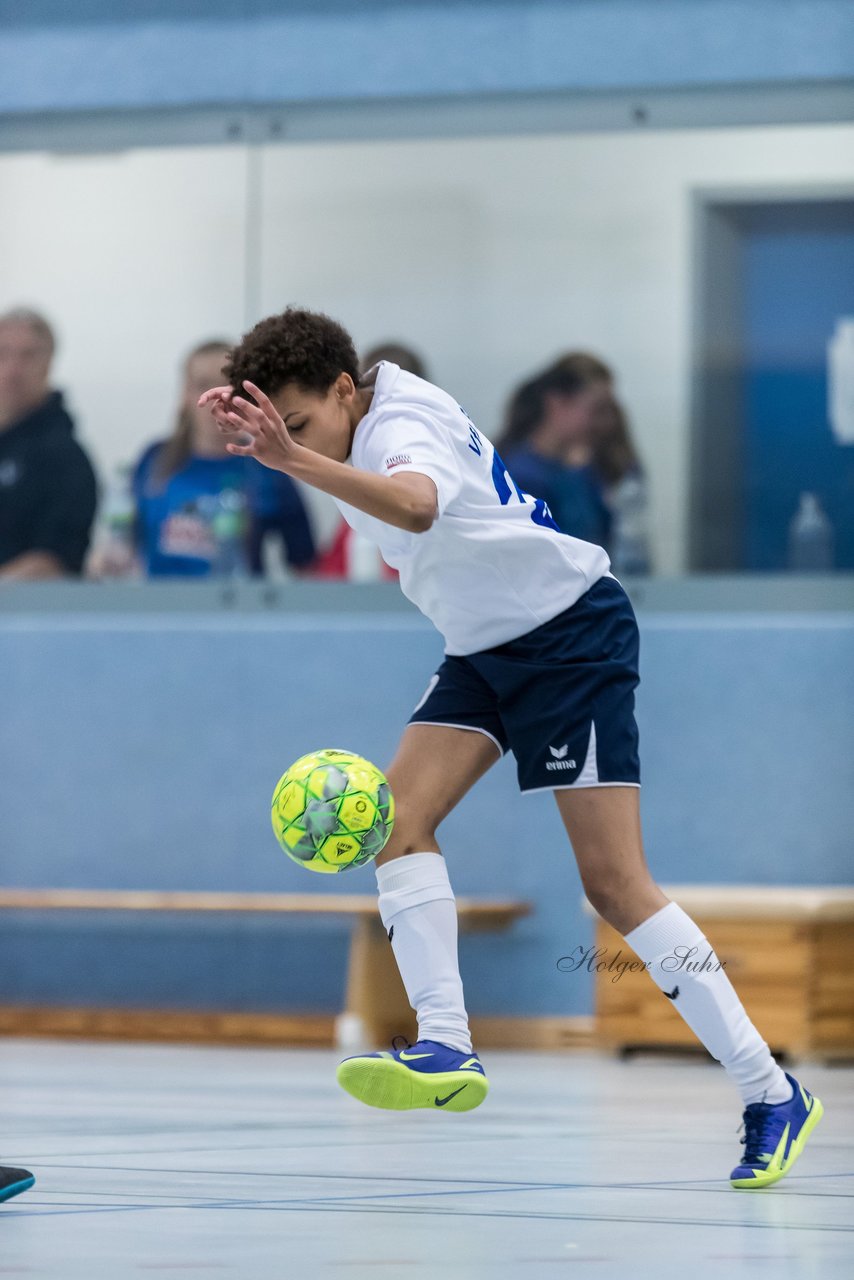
x=494 y=565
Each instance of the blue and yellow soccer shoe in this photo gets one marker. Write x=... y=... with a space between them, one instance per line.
x=14 y=1181
x=774 y=1137
x=426 y=1074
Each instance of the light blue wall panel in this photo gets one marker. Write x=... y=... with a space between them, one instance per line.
x=97 y=55
x=141 y=752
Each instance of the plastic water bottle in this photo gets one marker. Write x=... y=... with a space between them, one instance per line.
x=810 y=537
x=630 y=550
x=229 y=530
x=118 y=549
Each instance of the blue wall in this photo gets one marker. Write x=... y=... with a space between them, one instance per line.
x=141 y=751
x=97 y=55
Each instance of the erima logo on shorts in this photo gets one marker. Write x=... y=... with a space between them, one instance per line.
x=560 y=761
x=397 y=460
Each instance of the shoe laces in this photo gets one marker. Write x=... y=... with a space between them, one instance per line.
x=395 y=1046
x=757 y=1123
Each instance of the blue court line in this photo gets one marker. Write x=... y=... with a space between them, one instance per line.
x=473 y=1184
x=498 y=1183
x=367 y=1199
x=315 y=1207
x=557 y=1217
x=721 y=1185
x=421 y=1140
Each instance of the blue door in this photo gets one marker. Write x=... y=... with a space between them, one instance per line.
x=798 y=280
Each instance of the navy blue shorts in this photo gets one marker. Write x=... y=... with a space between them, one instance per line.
x=561 y=697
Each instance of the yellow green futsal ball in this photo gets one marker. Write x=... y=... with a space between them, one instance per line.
x=332 y=810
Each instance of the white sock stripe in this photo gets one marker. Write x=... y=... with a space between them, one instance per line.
x=391 y=905
x=422 y=878
x=412 y=868
x=670 y=927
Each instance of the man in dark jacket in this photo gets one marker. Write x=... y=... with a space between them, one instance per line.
x=47 y=486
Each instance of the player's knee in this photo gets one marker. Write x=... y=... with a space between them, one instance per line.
x=615 y=898
x=605 y=893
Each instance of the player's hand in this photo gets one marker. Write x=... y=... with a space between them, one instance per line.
x=268 y=438
x=218 y=401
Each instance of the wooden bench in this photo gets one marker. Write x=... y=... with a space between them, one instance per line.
x=788 y=951
x=376 y=1006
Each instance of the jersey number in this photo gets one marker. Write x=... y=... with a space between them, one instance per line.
x=506 y=487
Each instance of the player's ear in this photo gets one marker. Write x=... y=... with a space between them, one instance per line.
x=345 y=387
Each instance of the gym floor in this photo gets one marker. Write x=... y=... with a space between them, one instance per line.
x=253 y=1163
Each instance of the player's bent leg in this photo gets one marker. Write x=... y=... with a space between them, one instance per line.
x=434 y=768
x=604 y=827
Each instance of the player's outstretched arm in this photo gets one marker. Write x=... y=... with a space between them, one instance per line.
x=408 y=500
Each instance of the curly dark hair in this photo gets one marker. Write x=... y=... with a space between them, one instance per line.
x=304 y=347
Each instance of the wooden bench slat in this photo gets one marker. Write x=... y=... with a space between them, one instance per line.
x=483 y=914
x=759 y=902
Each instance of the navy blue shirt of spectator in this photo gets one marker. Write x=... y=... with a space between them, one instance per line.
x=547 y=448
x=574 y=494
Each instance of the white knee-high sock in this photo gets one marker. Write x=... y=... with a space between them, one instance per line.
x=419 y=912
x=707 y=1001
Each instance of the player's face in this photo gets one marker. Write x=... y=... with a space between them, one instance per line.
x=322 y=422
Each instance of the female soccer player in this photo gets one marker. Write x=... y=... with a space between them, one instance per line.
x=541 y=649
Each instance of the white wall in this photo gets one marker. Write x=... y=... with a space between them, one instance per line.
x=489 y=255
x=135 y=257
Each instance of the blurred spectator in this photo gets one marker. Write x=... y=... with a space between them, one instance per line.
x=48 y=491
x=200 y=510
x=395 y=353
x=547 y=446
x=350 y=556
x=616 y=461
